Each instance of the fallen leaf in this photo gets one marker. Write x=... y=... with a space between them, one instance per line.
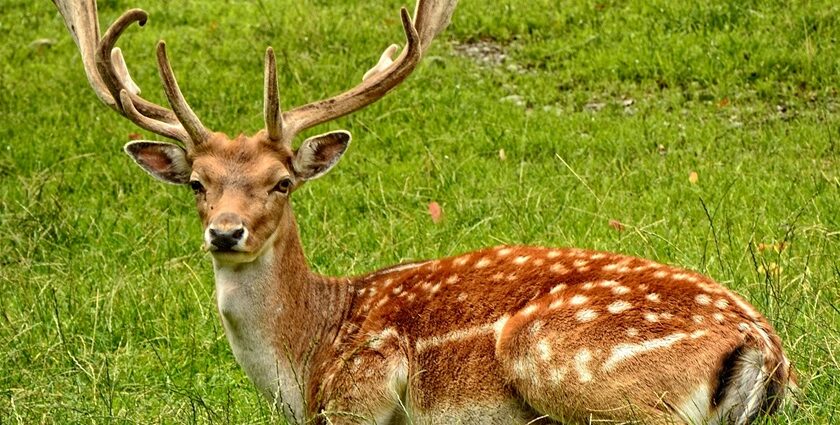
x=692 y=177
x=723 y=102
x=435 y=212
x=615 y=224
x=502 y=155
x=134 y=136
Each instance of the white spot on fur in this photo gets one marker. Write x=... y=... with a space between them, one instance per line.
x=586 y=315
x=610 y=267
x=608 y=283
x=559 y=268
x=558 y=375
x=651 y=317
x=538 y=262
x=721 y=304
x=597 y=256
x=698 y=333
x=399 y=268
x=503 y=252
x=632 y=332
x=511 y=277
x=652 y=297
x=498 y=276
x=545 y=350
x=452 y=279
x=462 y=296
x=556 y=304
x=620 y=290
x=679 y=276
x=552 y=254
x=382 y=302
x=622 y=352
x=719 y=317
x=456 y=335
x=529 y=310
x=579 y=299
x=557 y=288
x=588 y=285
x=703 y=299
x=397 y=290
x=743 y=327
x=580 y=263
x=582 y=359
x=643 y=287
x=618 y=307
x=660 y=274
x=697 y=318
x=482 y=263
x=460 y=261
x=522 y=259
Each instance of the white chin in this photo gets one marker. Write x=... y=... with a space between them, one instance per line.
x=231 y=257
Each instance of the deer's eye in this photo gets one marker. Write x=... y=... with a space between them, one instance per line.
x=283 y=186
x=196 y=186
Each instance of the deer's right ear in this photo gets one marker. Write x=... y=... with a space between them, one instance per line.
x=164 y=161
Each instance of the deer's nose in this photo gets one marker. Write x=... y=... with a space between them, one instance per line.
x=226 y=231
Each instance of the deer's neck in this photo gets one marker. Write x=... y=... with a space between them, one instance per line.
x=278 y=314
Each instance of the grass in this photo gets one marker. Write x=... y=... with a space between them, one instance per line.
x=602 y=109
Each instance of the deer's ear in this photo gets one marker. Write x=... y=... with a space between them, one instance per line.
x=164 y=161
x=318 y=154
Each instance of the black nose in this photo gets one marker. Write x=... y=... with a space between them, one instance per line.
x=226 y=239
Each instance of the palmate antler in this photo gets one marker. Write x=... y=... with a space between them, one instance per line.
x=108 y=75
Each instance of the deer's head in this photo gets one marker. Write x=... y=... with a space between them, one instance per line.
x=241 y=185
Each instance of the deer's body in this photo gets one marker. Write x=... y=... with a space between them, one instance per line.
x=501 y=336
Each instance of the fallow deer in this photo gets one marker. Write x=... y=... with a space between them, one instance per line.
x=509 y=334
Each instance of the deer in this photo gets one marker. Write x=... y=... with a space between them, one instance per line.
x=503 y=335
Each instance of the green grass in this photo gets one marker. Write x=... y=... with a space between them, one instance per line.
x=107 y=307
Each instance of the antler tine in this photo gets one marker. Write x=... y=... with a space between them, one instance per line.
x=185 y=114
x=110 y=74
x=273 y=117
x=173 y=131
x=122 y=71
x=431 y=17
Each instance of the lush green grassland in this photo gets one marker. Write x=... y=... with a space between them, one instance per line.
x=603 y=110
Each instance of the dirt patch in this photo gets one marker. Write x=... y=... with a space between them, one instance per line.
x=484 y=52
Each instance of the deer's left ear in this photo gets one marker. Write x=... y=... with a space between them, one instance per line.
x=164 y=161
x=318 y=154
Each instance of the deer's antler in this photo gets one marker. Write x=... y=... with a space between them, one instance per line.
x=109 y=77
x=430 y=17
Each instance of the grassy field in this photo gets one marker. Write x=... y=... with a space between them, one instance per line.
x=603 y=111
